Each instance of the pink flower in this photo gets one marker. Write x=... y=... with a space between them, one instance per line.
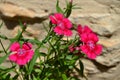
x=84 y=29
x=89 y=37
x=77 y=48
x=21 y=54
x=71 y=48
x=63 y=25
x=89 y=47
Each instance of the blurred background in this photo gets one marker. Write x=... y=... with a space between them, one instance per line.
x=103 y=16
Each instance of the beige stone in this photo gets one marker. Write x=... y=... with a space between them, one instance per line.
x=30 y=33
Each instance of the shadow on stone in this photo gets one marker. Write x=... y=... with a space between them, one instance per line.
x=102 y=67
x=11 y=14
x=13 y=22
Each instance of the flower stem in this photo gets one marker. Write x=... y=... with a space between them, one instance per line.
x=3 y=47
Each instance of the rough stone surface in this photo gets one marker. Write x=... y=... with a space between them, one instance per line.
x=103 y=16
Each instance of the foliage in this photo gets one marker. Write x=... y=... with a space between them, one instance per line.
x=62 y=56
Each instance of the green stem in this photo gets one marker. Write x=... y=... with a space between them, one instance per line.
x=20 y=34
x=41 y=75
x=3 y=47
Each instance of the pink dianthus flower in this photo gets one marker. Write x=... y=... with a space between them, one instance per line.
x=71 y=48
x=21 y=54
x=89 y=39
x=83 y=29
x=63 y=25
x=90 y=46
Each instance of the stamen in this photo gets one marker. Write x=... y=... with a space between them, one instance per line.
x=91 y=45
x=61 y=25
x=21 y=51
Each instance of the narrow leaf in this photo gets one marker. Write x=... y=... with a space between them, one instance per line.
x=1 y=24
x=15 y=77
x=81 y=68
x=32 y=63
x=43 y=54
x=8 y=77
x=3 y=37
x=58 y=9
x=3 y=58
x=64 y=77
x=68 y=10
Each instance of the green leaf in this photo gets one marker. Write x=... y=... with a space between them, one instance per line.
x=38 y=70
x=69 y=57
x=5 y=77
x=34 y=78
x=4 y=72
x=18 y=36
x=1 y=24
x=15 y=77
x=81 y=68
x=37 y=42
x=3 y=58
x=64 y=77
x=3 y=37
x=8 y=77
x=32 y=62
x=7 y=69
x=43 y=54
x=68 y=9
x=22 y=26
x=2 y=67
x=45 y=78
x=46 y=29
x=73 y=78
x=58 y=9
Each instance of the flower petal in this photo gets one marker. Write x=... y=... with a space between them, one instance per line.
x=93 y=37
x=67 y=23
x=27 y=46
x=71 y=48
x=79 y=29
x=53 y=19
x=91 y=55
x=58 y=30
x=13 y=57
x=98 y=49
x=86 y=29
x=15 y=46
x=84 y=37
x=84 y=48
x=58 y=16
x=29 y=55
x=21 y=61
x=67 y=32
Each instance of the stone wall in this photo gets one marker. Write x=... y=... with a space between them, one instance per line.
x=103 y=16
